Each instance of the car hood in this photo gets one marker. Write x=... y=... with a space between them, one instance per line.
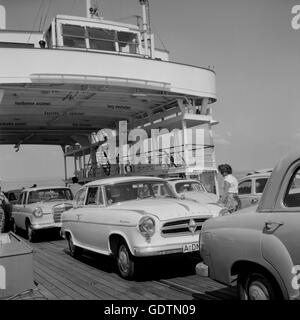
x=47 y=206
x=202 y=197
x=165 y=209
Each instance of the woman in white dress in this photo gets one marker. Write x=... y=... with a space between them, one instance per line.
x=229 y=198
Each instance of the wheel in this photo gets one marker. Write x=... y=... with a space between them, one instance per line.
x=31 y=233
x=126 y=262
x=75 y=251
x=257 y=286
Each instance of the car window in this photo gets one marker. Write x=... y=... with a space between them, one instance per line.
x=260 y=184
x=51 y=194
x=92 y=196
x=137 y=190
x=80 y=197
x=245 y=187
x=292 y=195
x=189 y=186
x=12 y=197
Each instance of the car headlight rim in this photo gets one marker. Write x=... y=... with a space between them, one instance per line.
x=38 y=212
x=147 y=226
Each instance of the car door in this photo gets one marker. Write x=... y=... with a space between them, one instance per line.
x=284 y=222
x=245 y=192
x=93 y=221
x=75 y=215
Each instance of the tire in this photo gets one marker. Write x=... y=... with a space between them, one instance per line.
x=75 y=251
x=30 y=232
x=257 y=286
x=125 y=262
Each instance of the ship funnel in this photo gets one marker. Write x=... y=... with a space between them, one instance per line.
x=2 y=17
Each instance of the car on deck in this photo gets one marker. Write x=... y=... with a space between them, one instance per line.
x=192 y=189
x=127 y=218
x=258 y=248
x=40 y=208
x=251 y=187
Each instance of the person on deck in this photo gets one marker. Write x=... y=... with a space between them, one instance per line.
x=75 y=186
x=229 y=198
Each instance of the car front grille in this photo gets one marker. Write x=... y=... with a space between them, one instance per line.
x=57 y=217
x=187 y=226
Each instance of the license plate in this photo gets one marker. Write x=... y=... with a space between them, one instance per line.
x=190 y=247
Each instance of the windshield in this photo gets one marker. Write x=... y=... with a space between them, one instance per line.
x=49 y=195
x=189 y=186
x=137 y=190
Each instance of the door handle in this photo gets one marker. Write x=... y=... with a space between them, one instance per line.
x=78 y=216
x=273 y=225
x=253 y=201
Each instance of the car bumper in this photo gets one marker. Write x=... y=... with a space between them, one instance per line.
x=164 y=249
x=40 y=226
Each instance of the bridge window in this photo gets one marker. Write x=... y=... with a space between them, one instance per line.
x=73 y=36
x=128 y=42
x=102 y=39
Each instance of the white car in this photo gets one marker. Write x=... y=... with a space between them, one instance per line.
x=192 y=189
x=127 y=218
x=40 y=208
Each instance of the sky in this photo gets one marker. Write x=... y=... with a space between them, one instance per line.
x=255 y=53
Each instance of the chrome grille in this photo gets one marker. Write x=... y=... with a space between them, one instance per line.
x=57 y=217
x=186 y=226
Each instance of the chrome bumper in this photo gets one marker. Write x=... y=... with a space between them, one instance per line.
x=161 y=250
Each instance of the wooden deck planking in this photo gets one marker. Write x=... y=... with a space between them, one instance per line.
x=61 y=277
x=121 y=289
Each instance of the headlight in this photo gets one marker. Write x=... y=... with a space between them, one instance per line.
x=224 y=212
x=38 y=212
x=147 y=227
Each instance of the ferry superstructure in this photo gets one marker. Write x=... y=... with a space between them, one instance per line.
x=84 y=74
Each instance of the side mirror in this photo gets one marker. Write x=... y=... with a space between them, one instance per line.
x=182 y=197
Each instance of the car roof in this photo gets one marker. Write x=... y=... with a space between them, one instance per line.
x=123 y=179
x=15 y=190
x=184 y=180
x=257 y=175
x=46 y=187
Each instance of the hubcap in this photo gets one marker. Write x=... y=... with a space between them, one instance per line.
x=257 y=291
x=123 y=259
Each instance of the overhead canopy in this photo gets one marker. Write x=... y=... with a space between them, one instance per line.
x=59 y=114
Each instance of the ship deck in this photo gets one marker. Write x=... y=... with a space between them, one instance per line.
x=58 y=276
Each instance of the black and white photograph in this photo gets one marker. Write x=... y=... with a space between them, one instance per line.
x=149 y=152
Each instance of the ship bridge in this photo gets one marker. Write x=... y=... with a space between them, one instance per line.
x=82 y=75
